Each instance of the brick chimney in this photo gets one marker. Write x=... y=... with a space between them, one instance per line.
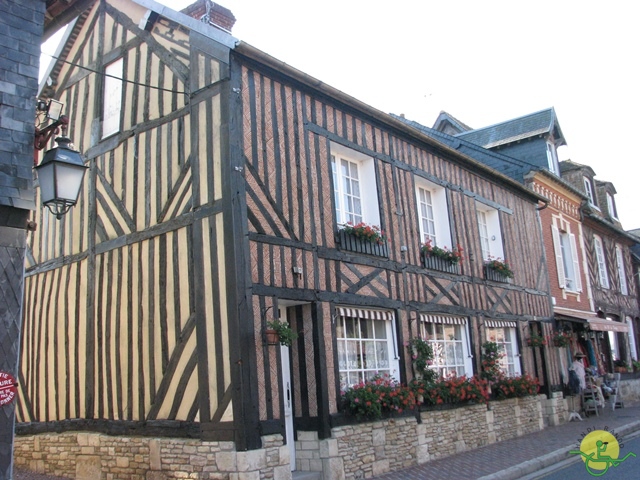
x=211 y=13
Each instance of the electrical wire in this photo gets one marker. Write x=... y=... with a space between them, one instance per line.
x=117 y=78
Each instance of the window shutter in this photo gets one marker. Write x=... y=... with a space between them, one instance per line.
x=558 y=251
x=576 y=263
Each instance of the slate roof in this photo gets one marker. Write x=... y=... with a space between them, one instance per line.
x=447 y=118
x=534 y=124
x=569 y=165
x=512 y=167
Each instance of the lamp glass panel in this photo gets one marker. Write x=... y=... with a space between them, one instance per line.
x=45 y=177
x=68 y=181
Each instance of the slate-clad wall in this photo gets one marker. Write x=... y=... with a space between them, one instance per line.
x=534 y=152
x=20 y=34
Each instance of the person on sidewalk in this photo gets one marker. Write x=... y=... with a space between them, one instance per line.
x=578 y=367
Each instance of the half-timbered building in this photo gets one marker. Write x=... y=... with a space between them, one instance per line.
x=219 y=187
x=580 y=214
x=608 y=253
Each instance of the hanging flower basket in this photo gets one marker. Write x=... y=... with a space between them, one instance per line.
x=282 y=331
x=271 y=336
x=560 y=339
x=536 y=340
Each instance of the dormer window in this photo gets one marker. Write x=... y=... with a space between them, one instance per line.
x=552 y=158
x=611 y=205
x=588 y=189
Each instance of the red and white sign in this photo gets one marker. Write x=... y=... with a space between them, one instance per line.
x=8 y=390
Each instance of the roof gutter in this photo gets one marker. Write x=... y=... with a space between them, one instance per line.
x=610 y=226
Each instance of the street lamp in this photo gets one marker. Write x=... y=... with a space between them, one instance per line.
x=60 y=175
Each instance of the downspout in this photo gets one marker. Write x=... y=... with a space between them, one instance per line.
x=546 y=204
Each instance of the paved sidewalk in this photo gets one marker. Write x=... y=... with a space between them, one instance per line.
x=515 y=458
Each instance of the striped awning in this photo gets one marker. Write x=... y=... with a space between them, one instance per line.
x=446 y=319
x=500 y=324
x=364 y=313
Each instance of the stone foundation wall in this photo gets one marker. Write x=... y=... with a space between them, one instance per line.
x=369 y=449
x=446 y=432
x=516 y=416
x=555 y=410
x=92 y=456
x=357 y=451
x=630 y=390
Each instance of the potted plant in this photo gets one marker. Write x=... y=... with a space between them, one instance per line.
x=620 y=366
x=280 y=331
x=363 y=238
x=370 y=233
x=499 y=267
x=441 y=258
x=636 y=365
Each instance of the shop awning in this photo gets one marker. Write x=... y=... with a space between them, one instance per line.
x=604 y=325
x=568 y=315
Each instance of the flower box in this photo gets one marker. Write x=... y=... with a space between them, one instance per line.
x=437 y=263
x=360 y=245
x=495 y=276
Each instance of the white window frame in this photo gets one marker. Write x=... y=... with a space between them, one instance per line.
x=361 y=188
x=567 y=263
x=507 y=338
x=433 y=213
x=588 y=187
x=353 y=351
x=622 y=273
x=601 y=260
x=437 y=330
x=552 y=159
x=490 y=233
x=632 y=339
x=112 y=97
x=611 y=205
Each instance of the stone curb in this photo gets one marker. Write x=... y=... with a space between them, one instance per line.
x=531 y=466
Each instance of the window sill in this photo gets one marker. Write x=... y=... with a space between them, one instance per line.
x=359 y=245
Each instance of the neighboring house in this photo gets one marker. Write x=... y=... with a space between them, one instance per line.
x=21 y=24
x=608 y=249
x=219 y=183
x=583 y=241
x=525 y=149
